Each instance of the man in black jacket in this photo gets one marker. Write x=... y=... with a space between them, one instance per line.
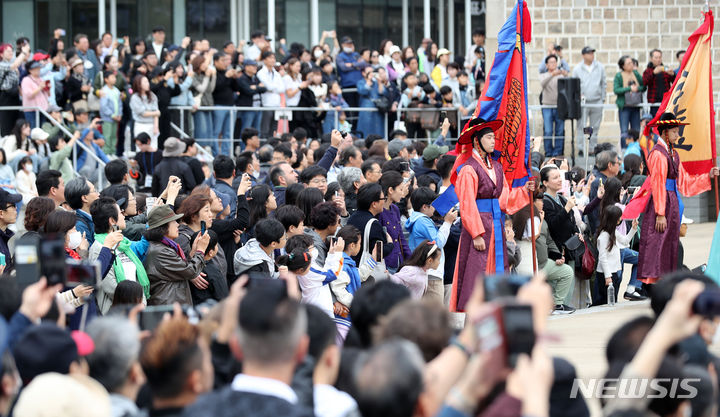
x=370 y=201
x=224 y=95
x=250 y=90
x=271 y=341
x=159 y=85
x=172 y=164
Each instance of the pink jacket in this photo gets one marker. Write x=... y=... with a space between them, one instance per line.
x=414 y=278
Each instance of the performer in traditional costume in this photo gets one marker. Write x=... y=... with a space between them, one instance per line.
x=660 y=230
x=484 y=197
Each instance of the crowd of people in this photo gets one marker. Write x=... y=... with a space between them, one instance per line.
x=634 y=89
x=312 y=273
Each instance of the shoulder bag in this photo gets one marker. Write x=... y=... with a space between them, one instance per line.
x=368 y=267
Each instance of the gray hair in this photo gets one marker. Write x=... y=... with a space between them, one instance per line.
x=348 y=177
x=75 y=189
x=265 y=153
x=389 y=380
x=602 y=160
x=117 y=347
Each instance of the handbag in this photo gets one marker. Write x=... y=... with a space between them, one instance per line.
x=430 y=120
x=369 y=268
x=12 y=92
x=382 y=103
x=633 y=99
x=575 y=251
x=413 y=116
x=93 y=102
x=589 y=261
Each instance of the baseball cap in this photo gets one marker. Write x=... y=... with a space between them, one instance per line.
x=53 y=108
x=346 y=39
x=557 y=47
x=250 y=62
x=35 y=64
x=587 y=50
x=443 y=51
x=433 y=151
x=173 y=48
x=40 y=55
x=38 y=134
x=7 y=198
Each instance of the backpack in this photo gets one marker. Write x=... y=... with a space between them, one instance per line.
x=589 y=260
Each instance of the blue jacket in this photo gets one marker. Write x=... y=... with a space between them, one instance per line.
x=85 y=224
x=350 y=268
x=349 y=76
x=223 y=188
x=421 y=227
x=83 y=156
x=91 y=72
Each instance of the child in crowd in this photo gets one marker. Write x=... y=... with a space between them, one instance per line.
x=257 y=254
x=313 y=281
x=414 y=274
x=412 y=96
x=632 y=147
x=609 y=260
x=348 y=281
x=336 y=102
x=111 y=109
x=513 y=249
x=317 y=86
x=421 y=227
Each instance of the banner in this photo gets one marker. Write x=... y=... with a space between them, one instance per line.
x=691 y=100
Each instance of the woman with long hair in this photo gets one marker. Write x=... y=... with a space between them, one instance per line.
x=414 y=272
x=634 y=171
x=307 y=199
x=395 y=188
x=19 y=145
x=25 y=179
x=609 y=260
x=203 y=86
x=145 y=111
x=294 y=85
x=37 y=211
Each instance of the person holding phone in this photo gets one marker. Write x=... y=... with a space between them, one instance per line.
x=484 y=196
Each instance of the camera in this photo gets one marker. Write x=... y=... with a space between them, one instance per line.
x=152 y=316
x=35 y=258
x=573 y=176
x=505 y=331
x=588 y=130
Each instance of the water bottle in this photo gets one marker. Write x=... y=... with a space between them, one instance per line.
x=611 y=294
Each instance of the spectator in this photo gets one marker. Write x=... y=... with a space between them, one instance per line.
x=170 y=165
x=347 y=282
x=258 y=44
x=553 y=126
x=421 y=228
x=294 y=85
x=439 y=72
x=370 y=202
x=292 y=219
x=9 y=84
x=396 y=189
x=395 y=65
x=189 y=156
x=25 y=180
x=147 y=158
x=350 y=68
x=202 y=87
x=87 y=55
x=196 y=208
x=273 y=82
x=168 y=268
x=658 y=79
x=35 y=92
x=127 y=264
x=80 y=194
x=145 y=112
x=608 y=165
x=115 y=362
x=370 y=90
x=628 y=86
x=7 y=175
x=251 y=89
x=281 y=176
x=116 y=172
x=414 y=273
x=257 y=255
x=8 y=216
x=430 y=157
x=315 y=177
x=680 y=55
x=593 y=91
x=226 y=85
x=110 y=112
x=371 y=170
x=609 y=260
x=632 y=145
x=324 y=221
x=177 y=362
x=271 y=339
x=18 y=144
x=60 y=157
x=50 y=183
x=554 y=49
x=88 y=162
x=351 y=179
x=36 y=213
x=224 y=170
x=261 y=202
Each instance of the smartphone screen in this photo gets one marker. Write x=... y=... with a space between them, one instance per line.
x=379 y=246
x=503 y=285
x=443 y=116
x=151 y=316
x=202 y=227
x=82 y=272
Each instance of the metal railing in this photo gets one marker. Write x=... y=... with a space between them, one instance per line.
x=89 y=151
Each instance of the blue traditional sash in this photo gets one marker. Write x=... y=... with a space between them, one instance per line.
x=671 y=185
x=492 y=206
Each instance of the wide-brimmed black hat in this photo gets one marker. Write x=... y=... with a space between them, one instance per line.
x=668 y=121
x=475 y=125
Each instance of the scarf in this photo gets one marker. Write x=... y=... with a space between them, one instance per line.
x=71 y=253
x=124 y=247
x=175 y=246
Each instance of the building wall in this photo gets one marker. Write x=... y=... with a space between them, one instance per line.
x=614 y=28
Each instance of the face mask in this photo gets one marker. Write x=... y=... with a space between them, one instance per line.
x=347 y=50
x=74 y=240
x=318 y=53
x=314 y=253
x=28 y=167
x=256 y=174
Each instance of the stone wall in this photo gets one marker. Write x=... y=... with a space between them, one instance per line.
x=614 y=28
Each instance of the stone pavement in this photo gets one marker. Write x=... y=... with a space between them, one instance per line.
x=584 y=334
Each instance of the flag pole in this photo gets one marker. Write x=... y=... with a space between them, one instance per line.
x=532 y=229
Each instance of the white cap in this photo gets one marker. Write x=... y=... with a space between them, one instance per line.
x=39 y=134
x=685 y=220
